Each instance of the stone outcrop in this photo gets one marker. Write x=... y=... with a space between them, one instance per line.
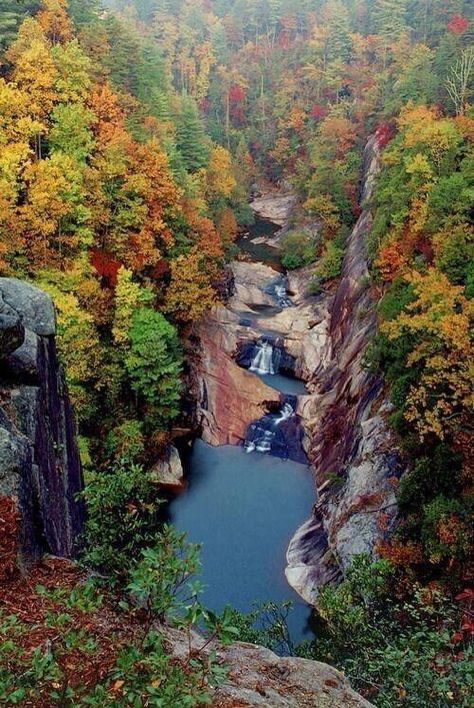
x=39 y=460
x=274 y=206
x=228 y=397
x=168 y=472
x=350 y=447
x=258 y=677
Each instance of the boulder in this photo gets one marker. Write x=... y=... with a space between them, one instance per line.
x=258 y=677
x=168 y=472
x=274 y=206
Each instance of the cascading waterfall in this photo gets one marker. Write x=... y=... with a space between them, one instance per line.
x=277 y=433
x=266 y=359
x=278 y=289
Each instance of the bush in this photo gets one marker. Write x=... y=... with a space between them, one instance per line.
x=123 y=508
x=330 y=264
x=395 y=649
x=297 y=249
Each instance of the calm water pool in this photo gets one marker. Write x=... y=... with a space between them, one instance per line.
x=243 y=508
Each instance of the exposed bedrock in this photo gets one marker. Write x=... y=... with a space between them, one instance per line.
x=39 y=460
x=274 y=206
x=257 y=677
x=229 y=398
x=350 y=446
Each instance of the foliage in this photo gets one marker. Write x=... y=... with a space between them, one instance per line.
x=394 y=644
x=70 y=640
x=297 y=249
x=153 y=363
x=329 y=266
x=123 y=509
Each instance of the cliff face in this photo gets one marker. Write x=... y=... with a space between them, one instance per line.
x=39 y=460
x=350 y=447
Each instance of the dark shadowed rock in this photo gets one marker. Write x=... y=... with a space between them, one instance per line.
x=39 y=460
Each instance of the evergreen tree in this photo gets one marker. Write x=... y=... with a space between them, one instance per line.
x=154 y=364
x=12 y=13
x=123 y=60
x=83 y=12
x=390 y=18
x=190 y=136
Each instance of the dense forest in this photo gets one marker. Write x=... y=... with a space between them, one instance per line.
x=132 y=134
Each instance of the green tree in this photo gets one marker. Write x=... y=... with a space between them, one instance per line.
x=154 y=364
x=70 y=132
x=190 y=137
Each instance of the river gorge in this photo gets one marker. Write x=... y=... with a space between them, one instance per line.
x=292 y=473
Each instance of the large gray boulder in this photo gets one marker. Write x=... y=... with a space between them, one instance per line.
x=39 y=459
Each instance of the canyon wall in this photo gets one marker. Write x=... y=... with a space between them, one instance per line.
x=349 y=445
x=39 y=460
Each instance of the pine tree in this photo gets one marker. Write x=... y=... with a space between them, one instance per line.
x=190 y=136
x=390 y=18
x=12 y=13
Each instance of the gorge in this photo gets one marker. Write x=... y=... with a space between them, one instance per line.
x=332 y=422
x=236 y=346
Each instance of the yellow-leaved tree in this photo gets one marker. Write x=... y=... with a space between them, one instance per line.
x=439 y=322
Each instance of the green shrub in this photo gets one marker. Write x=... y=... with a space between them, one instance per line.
x=330 y=264
x=396 y=649
x=297 y=249
x=395 y=299
x=122 y=506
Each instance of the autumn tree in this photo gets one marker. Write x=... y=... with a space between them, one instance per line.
x=55 y=21
x=438 y=322
x=190 y=292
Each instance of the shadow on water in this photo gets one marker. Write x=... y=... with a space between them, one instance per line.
x=243 y=508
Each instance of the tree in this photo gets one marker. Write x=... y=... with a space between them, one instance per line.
x=438 y=323
x=11 y=15
x=34 y=71
x=459 y=78
x=127 y=297
x=55 y=21
x=70 y=131
x=190 y=292
x=53 y=215
x=154 y=365
x=190 y=137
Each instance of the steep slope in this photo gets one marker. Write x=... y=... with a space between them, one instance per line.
x=39 y=459
x=350 y=447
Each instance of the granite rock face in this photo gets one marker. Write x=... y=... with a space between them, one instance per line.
x=258 y=677
x=39 y=460
x=350 y=447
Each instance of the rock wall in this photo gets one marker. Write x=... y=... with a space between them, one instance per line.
x=39 y=461
x=350 y=447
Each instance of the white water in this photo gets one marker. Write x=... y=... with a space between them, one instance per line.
x=266 y=359
x=262 y=432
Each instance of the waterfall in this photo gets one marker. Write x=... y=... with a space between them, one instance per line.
x=272 y=435
x=278 y=288
x=266 y=359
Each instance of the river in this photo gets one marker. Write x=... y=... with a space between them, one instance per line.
x=243 y=506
